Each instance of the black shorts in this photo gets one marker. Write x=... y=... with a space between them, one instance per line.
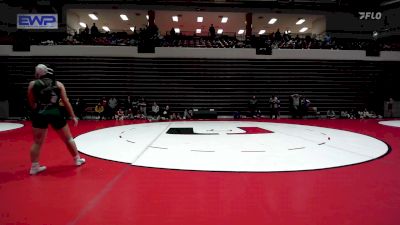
x=52 y=116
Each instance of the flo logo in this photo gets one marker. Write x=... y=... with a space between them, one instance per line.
x=370 y=15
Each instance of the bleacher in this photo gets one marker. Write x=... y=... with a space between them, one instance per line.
x=224 y=85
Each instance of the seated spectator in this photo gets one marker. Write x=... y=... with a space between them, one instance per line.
x=367 y=115
x=236 y=115
x=130 y=115
x=372 y=115
x=330 y=114
x=353 y=114
x=155 y=111
x=119 y=114
x=344 y=115
x=99 y=109
x=166 y=114
x=173 y=116
x=188 y=114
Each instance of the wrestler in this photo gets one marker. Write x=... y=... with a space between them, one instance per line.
x=43 y=96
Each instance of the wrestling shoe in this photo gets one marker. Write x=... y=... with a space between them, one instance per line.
x=37 y=169
x=79 y=161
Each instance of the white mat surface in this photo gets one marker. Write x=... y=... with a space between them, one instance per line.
x=392 y=123
x=9 y=126
x=222 y=146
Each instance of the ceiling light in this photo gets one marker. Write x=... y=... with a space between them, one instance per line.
x=272 y=21
x=304 y=29
x=132 y=28
x=198 y=31
x=261 y=32
x=300 y=21
x=123 y=17
x=177 y=30
x=224 y=19
x=106 y=28
x=93 y=17
x=241 y=32
x=220 y=31
x=82 y=24
x=199 y=19
x=175 y=18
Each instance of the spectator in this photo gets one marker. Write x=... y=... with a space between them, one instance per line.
x=112 y=105
x=173 y=116
x=79 y=108
x=354 y=114
x=236 y=115
x=344 y=115
x=120 y=115
x=390 y=107
x=142 y=107
x=166 y=114
x=253 y=102
x=275 y=104
x=278 y=36
x=99 y=109
x=172 y=32
x=135 y=106
x=211 y=30
x=187 y=114
x=87 y=30
x=295 y=105
x=155 y=111
x=305 y=105
x=94 y=31
x=130 y=115
x=128 y=103
x=330 y=114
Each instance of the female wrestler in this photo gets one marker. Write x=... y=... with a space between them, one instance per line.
x=43 y=96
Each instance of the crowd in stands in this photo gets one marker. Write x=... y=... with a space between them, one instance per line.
x=132 y=108
x=301 y=107
x=274 y=40
x=128 y=109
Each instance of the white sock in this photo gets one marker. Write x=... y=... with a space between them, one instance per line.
x=35 y=164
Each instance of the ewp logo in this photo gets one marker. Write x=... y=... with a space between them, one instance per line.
x=37 y=21
x=370 y=15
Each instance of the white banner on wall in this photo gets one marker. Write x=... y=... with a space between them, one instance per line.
x=37 y=21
